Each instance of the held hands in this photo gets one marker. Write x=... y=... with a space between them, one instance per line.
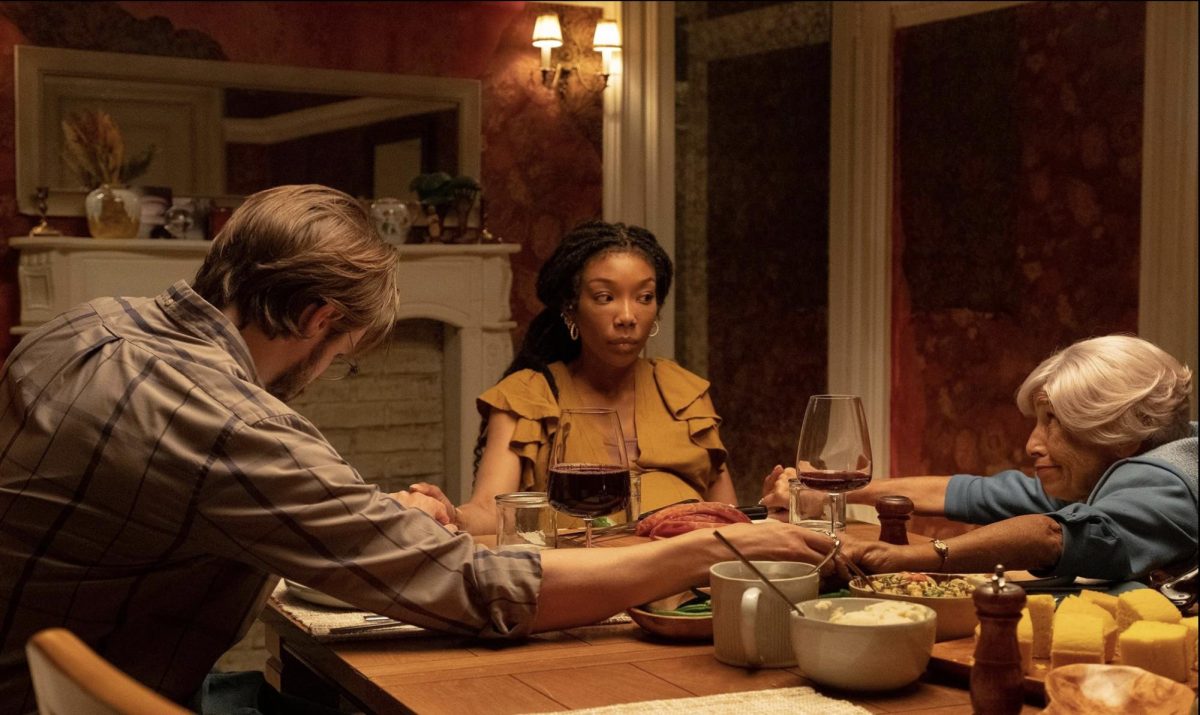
x=775 y=487
x=776 y=541
x=441 y=510
x=434 y=492
x=777 y=493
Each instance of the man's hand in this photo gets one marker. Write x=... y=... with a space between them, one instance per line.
x=777 y=541
x=431 y=506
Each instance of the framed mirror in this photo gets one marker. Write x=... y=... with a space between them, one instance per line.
x=232 y=128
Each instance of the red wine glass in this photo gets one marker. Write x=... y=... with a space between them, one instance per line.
x=589 y=469
x=834 y=454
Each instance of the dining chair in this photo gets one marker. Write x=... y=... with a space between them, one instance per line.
x=69 y=678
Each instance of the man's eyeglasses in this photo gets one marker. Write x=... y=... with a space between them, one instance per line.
x=343 y=366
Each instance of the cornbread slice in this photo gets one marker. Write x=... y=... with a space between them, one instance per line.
x=1078 y=638
x=1106 y=601
x=1190 y=624
x=1025 y=640
x=1041 y=612
x=1158 y=647
x=1075 y=604
x=1144 y=604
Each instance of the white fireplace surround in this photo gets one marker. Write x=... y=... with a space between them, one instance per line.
x=464 y=286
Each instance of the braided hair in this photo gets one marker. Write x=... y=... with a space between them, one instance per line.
x=547 y=339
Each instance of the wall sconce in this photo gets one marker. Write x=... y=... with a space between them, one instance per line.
x=547 y=34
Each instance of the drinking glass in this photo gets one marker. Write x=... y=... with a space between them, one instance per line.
x=834 y=454
x=589 y=470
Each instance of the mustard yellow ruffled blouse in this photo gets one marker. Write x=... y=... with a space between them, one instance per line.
x=676 y=427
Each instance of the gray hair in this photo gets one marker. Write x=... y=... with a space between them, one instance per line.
x=1113 y=390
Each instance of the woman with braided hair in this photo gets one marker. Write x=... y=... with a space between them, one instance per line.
x=602 y=287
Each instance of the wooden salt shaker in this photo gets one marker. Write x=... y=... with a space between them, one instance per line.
x=996 y=678
x=893 y=511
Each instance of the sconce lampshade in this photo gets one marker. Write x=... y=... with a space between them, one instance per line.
x=547 y=32
x=607 y=37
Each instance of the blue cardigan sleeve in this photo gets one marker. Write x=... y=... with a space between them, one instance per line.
x=1141 y=518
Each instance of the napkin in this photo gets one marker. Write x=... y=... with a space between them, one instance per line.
x=794 y=701
x=321 y=621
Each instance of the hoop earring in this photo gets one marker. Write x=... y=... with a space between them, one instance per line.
x=655 y=329
x=572 y=328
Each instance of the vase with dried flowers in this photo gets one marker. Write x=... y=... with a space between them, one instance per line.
x=95 y=151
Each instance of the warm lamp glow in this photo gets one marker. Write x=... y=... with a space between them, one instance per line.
x=607 y=37
x=547 y=34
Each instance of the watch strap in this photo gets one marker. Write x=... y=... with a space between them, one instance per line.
x=943 y=552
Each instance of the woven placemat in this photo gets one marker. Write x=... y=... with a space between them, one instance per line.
x=794 y=701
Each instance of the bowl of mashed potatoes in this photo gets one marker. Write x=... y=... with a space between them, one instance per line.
x=950 y=595
x=863 y=643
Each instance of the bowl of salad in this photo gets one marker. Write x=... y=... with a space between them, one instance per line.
x=949 y=595
x=683 y=616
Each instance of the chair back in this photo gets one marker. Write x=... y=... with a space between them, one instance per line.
x=69 y=678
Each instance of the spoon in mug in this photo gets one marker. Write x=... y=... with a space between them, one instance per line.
x=837 y=546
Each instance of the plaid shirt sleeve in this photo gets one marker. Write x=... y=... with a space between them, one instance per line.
x=276 y=496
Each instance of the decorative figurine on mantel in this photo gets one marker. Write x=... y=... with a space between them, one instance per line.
x=40 y=197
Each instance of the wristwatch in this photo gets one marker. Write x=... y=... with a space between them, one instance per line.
x=942 y=550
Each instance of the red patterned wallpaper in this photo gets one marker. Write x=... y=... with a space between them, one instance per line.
x=768 y=195
x=541 y=154
x=1017 y=206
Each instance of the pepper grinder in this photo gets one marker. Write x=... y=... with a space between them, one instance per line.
x=996 y=678
x=893 y=511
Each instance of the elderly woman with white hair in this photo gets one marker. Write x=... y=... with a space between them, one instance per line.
x=1115 y=489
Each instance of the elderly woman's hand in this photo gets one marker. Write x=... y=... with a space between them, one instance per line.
x=873 y=556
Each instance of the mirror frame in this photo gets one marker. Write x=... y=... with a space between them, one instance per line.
x=33 y=64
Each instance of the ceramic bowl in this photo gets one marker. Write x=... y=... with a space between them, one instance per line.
x=860 y=657
x=673 y=627
x=956 y=616
x=1111 y=689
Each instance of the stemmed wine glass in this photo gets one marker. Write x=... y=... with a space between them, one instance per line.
x=834 y=454
x=589 y=469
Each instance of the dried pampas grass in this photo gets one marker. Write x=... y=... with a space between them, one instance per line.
x=95 y=151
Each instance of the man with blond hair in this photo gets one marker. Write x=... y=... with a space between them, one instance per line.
x=154 y=485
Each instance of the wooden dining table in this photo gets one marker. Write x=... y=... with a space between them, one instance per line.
x=562 y=670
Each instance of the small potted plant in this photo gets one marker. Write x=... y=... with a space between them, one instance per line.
x=95 y=151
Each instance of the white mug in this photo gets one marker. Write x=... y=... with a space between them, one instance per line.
x=750 y=622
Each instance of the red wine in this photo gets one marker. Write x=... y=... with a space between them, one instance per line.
x=844 y=481
x=588 y=490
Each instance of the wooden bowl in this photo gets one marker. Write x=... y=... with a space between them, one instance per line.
x=955 y=616
x=1114 y=689
x=673 y=627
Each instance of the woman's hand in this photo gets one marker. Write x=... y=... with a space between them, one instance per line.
x=775 y=487
x=881 y=557
x=810 y=503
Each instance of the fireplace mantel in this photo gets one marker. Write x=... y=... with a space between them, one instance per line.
x=464 y=286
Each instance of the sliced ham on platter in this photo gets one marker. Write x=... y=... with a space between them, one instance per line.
x=682 y=518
